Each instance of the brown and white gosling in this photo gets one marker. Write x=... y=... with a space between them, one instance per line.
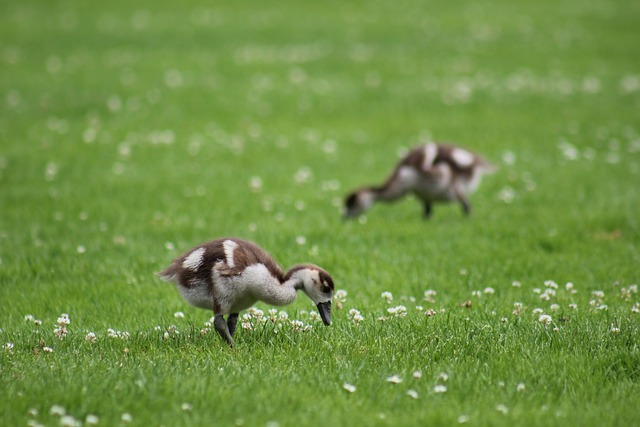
x=433 y=172
x=230 y=275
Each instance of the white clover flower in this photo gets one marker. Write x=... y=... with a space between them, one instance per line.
x=349 y=387
x=314 y=316
x=69 y=421
x=29 y=318
x=516 y=284
x=598 y=294
x=463 y=419
x=92 y=419
x=538 y=311
x=205 y=331
x=398 y=311
x=502 y=409
x=90 y=337
x=554 y=307
x=246 y=326
x=506 y=195
x=430 y=312
x=625 y=294
x=536 y=290
x=33 y=412
x=186 y=407
x=255 y=183
x=517 y=308
x=178 y=315
x=47 y=349
x=429 y=295
x=339 y=298
x=126 y=417
x=615 y=330
x=283 y=315
x=387 y=296
x=636 y=308
x=60 y=332
x=573 y=306
x=551 y=284
x=489 y=290
x=476 y=293
x=602 y=307
x=440 y=388
x=545 y=319
x=394 y=379
x=297 y=325
x=412 y=393
x=520 y=387
x=303 y=175
x=355 y=316
x=443 y=376
x=340 y=294
x=273 y=314
x=417 y=374
x=57 y=410
x=37 y=322
x=8 y=346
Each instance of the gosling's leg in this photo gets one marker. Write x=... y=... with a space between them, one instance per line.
x=223 y=329
x=426 y=210
x=466 y=206
x=232 y=322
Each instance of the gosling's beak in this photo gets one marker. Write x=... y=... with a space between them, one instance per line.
x=325 y=312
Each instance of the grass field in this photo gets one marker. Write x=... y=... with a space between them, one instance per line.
x=132 y=132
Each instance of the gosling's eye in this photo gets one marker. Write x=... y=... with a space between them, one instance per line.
x=326 y=289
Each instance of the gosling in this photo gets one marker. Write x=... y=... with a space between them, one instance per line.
x=230 y=275
x=433 y=172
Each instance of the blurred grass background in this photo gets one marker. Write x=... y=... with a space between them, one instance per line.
x=131 y=132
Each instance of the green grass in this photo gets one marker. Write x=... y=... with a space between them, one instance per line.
x=130 y=133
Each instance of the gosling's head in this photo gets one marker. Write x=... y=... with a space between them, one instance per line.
x=317 y=284
x=358 y=202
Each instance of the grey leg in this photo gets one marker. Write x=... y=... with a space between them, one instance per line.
x=222 y=328
x=426 y=213
x=232 y=322
x=466 y=207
